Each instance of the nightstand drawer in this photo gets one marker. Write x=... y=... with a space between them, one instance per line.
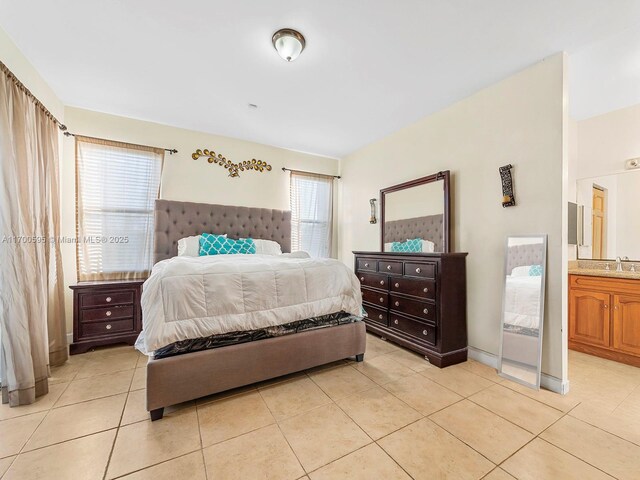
x=88 y=300
x=107 y=328
x=377 y=298
x=108 y=313
x=373 y=280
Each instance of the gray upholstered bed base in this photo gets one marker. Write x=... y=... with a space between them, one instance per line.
x=186 y=377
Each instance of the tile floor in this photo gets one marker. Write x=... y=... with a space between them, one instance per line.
x=393 y=417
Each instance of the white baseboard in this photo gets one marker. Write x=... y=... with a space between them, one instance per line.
x=548 y=382
x=69 y=338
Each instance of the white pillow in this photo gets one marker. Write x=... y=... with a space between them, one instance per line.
x=521 y=271
x=267 y=247
x=190 y=246
x=428 y=246
x=387 y=246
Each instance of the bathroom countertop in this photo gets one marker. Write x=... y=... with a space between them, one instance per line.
x=592 y=272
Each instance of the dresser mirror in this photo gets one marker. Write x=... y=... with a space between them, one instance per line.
x=523 y=309
x=609 y=217
x=415 y=215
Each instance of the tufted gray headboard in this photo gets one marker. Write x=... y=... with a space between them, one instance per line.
x=175 y=220
x=427 y=228
x=523 y=255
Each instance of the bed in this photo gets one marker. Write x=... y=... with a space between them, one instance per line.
x=203 y=337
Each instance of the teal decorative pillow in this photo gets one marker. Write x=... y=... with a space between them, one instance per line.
x=410 y=246
x=211 y=244
x=535 y=271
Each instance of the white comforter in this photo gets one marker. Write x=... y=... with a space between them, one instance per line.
x=522 y=301
x=193 y=297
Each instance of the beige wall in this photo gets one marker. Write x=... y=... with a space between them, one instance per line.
x=183 y=178
x=605 y=142
x=519 y=120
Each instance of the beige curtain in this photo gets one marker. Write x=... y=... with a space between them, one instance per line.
x=32 y=317
x=117 y=186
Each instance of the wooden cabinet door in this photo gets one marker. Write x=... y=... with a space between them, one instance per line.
x=589 y=317
x=626 y=323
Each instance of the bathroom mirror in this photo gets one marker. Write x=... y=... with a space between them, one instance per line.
x=523 y=309
x=609 y=216
x=417 y=211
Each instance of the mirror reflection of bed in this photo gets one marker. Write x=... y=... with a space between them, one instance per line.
x=523 y=308
x=414 y=219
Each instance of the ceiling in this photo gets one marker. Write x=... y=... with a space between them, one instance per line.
x=369 y=68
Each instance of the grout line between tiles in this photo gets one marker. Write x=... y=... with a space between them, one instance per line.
x=156 y=464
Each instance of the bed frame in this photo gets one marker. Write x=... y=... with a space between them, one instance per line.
x=189 y=376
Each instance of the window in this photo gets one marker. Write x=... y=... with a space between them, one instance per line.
x=117 y=185
x=311 y=213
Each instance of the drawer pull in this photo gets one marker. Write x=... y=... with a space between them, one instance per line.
x=381 y=282
x=381 y=299
x=366 y=264
x=380 y=316
x=606 y=306
x=397 y=304
x=388 y=267
x=425 y=290
x=424 y=332
x=108 y=299
x=108 y=314
x=418 y=270
x=362 y=279
x=425 y=311
x=108 y=327
x=396 y=321
x=397 y=285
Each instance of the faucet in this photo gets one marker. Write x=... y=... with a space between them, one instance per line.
x=619 y=264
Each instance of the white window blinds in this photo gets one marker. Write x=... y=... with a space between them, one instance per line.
x=117 y=185
x=311 y=213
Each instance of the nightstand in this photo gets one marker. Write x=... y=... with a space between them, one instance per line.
x=105 y=313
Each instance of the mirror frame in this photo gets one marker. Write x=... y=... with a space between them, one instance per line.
x=543 y=287
x=445 y=176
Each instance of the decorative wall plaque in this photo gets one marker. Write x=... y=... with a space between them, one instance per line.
x=233 y=168
x=508 y=197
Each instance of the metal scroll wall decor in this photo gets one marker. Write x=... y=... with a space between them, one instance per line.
x=233 y=168
x=508 y=197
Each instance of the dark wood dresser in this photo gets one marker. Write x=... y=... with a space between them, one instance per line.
x=105 y=313
x=417 y=300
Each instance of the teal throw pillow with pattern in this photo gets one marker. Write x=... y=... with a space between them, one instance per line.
x=535 y=271
x=410 y=246
x=211 y=244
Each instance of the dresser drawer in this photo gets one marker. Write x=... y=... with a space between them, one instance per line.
x=415 y=287
x=108 y=327
x=419 y=330
x=377 y=298
x=376 y=315
x=426 y=311
x=367 y=264
x=88 y=300
x=425 y=270
x=108 y=313
x=390 y=267
x=374 y=280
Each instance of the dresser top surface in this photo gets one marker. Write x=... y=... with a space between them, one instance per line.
x=411 y=254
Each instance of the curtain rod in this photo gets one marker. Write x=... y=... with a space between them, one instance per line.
x=21 y=86
x=170 y=150
x=284 y=169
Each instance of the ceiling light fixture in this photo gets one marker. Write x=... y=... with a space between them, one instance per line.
x=288 y=43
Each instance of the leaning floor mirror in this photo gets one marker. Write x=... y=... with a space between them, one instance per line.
x=523 y=309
